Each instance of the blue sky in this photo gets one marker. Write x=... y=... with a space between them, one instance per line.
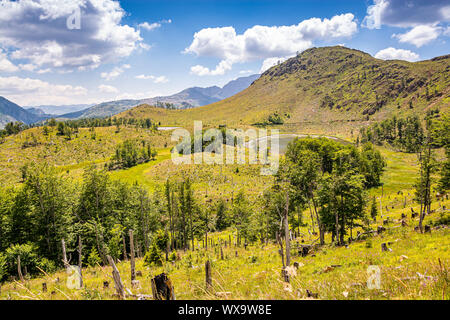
x=141 y=49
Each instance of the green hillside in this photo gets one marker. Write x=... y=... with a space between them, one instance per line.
x=378 y=196
x=325 y=85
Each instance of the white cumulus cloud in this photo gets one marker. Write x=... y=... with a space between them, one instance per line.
x=5 y=64
x=270 y=62
x=107 y=89
x=36 y=32
x=155 y=79
x=117 y=71
x=154 y=25
x=27 y=91
x=419 y=35
x=406 y=14
x=397 y=54
x=263 y=42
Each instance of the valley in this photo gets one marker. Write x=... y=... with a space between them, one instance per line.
x=353 y=200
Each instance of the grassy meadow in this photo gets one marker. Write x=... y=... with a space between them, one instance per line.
x=415 y=267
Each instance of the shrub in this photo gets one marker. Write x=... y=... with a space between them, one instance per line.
x=94 y=258
x=46 y=265
x=173 y=256
x=153 y=256
x=161 y=239
x=28 y=257
x=3 y=267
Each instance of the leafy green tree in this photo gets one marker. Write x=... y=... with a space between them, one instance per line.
x=93 y=258
x=153 y=256
x=3 y=267
x=28 y=258
x=440 y=134
x=221 y=216
x=424 y=182
x=241 y=215
x=374 y=209
x=371 y=165
x=49 y=198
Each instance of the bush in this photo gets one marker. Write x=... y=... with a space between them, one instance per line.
x=94 y=258
x=46 y=265
x=161 y=239
x=173 y=256
x=444 y=219
x=28 y=257
x=3 y=267
x=153 y=256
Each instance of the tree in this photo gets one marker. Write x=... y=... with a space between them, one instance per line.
x=49 y=197
x=221 y=216
x=374 y=209
x=371 y=165
x=241 y=215
x=440 y=133
x=424 y=182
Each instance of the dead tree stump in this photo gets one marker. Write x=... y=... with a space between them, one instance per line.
x=135 y=284
x=132 y=262
x=65 y=261
x=381 y=229
x=304 y=250
x=117 y=280
x=162 y=288
x=208 y=278
x=310 y=294
x=285 y=275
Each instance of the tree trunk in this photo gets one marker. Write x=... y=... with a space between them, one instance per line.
x=286 y=232
x=80 y=260
x=124 y=245
x=132 y=263
x=19 y=269
x=319 y=223
x=208 y=275
x=66 y=263
x=117 y=280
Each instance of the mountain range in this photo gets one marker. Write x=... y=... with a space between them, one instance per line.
x=57 y=110
x=324 y=86
x=10 y=112
x=188 y=98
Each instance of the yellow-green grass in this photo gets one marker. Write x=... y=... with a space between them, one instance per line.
x=68 y=155
x=416 y=268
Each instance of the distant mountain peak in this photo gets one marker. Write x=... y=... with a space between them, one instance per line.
x=188 y=98
x=10 y=112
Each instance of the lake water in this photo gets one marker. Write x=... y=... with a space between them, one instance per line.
x=167 y=128
x=284 y=140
